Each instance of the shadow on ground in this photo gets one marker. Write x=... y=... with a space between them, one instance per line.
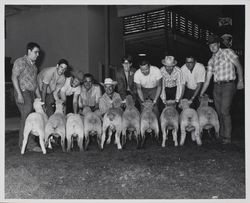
x=188 y=172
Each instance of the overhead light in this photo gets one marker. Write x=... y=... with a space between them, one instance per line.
x=142 y=54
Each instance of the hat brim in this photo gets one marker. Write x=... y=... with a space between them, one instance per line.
x=173 y=64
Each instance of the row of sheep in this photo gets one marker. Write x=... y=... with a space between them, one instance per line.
x=124 y=125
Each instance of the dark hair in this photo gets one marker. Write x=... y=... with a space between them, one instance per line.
x=63 y=61
x=31 y=46
x=191 y=56
x=143 y=62
x=88 y=75
x=127 y=58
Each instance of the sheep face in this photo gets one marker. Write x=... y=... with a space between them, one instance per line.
x=184 y=104
x=129 y=101
x=204 y=100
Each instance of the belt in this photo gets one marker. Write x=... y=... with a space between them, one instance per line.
x=223 y=82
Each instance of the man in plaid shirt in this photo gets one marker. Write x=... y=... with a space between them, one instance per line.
x=222 y=65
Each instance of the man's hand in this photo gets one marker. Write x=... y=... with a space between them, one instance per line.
x=240 y=85
x=164 y=101
x=20 y=99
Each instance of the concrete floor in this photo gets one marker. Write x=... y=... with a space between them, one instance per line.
x=12 y=124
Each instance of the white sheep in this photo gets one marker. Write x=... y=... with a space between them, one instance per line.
x=189 y=121
x=56 y=125
x=149 y=121
x=112 y=122
x=35 y=124
x=208 y=117
x=169 y=120
x=131 y=121
x=92 y=125
x=74 y=128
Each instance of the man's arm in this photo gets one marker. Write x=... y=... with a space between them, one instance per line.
x=14 y=79
x=75 y=102
x=238 y=66
x=38 y=95
x=206 y=83
x=197 y=90
x=158 y=90
x=44 y=91
x=139 y=91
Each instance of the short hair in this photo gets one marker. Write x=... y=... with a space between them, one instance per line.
x=127 y=58
x=191 y=56
x=143 y=62
x=31 y=46
x=63 y=61
x=88 y=75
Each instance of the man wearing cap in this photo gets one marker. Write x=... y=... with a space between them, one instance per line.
x=222 y=66
x=171 y=80
x=148 y=80
x=193 y=74
x=110 y=98
x=125 y=78
x=50 y=81
x=89 y=94
x=70 y=88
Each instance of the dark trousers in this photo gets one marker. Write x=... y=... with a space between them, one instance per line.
x=149 y=93
x=188 y=95
x=49 y=104
x=170 y=92
x=25 y=109
x=69 y=104
x=223 y=97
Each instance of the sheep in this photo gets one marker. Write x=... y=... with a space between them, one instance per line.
x=56 y=125
x=92 y=125
x=74 y=128
x=112 y=120
x=208 y=117
x=169 y=120
x=131 y=121
x=189 y=121
x=35 y=123
x=149 y=121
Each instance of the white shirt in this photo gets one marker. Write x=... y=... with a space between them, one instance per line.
x=190 y=79
x=150 y=80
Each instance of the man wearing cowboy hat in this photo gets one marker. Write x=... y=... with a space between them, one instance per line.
x=148 y=80
x=222 y=66
x=71 y=87
x=90 y=94
x=110 y=98
x=171 y=80
x=193 y=74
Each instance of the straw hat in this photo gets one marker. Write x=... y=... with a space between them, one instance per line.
x=109 y=81
x=169 y=61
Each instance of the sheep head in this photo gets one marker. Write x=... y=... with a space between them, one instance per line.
x=37 y=104
x=184 y=104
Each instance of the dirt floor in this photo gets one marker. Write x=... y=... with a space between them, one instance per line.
x=211 y=171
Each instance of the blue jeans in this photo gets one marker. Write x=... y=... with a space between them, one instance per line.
x=25 y=109
x=223 y=97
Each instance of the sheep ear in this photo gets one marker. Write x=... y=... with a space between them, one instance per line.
x=42 y=103
x=180 y=105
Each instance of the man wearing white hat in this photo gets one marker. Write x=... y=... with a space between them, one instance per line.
x=194 y=74
x=171 y=80
x=148 y=80
x=110 y=98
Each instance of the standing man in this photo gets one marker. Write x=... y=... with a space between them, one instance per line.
x=110 y=98
x=125 y=79
x=88 y=95
x=171 y=80
x=194 y=74
x=24 y=78
x=70 y=91
x=148 y=80
x=50 y=81
x=222 y=65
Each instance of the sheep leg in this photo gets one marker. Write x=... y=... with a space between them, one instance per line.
x=63 y=142
x=103 y=135
x=41 y=141
x=68 y=143
x=25 y=138
x=117 y=139
x=197 y=134
x=217 y=129
x=110 y=132
x=138 y=137
x=124 y=136
x=193 y=135
x=183 y=134
x=164 y=135
x=174 y=133
x=80 y=142
x=86 y=141
x=156 y=130
x=143 y=136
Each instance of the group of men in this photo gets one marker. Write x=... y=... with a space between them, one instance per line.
x=148 y=82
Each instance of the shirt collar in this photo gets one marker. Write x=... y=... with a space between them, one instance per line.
x=218 y=52
x=28 y=59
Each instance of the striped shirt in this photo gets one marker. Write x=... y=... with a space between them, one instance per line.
x=27 y=73
x=221 y=65
x=171 y=80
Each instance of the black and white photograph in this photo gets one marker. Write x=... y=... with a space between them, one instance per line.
x=124 y=101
